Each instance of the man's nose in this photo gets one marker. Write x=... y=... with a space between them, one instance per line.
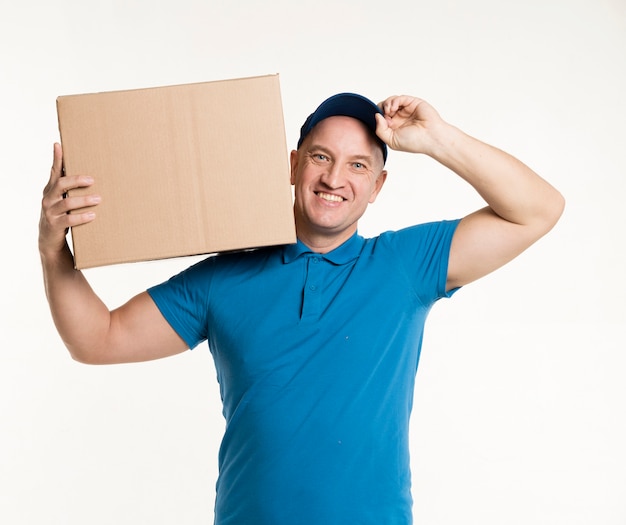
x=333 y=176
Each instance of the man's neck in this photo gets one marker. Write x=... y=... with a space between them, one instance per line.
x=321 y=243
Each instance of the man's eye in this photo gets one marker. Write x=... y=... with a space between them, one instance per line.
x=320 y=156
x=358 y=165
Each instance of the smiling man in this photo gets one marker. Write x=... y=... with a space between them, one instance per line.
x=316 y=344
x=337 y=171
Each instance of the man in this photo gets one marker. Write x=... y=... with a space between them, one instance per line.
x=315 y=344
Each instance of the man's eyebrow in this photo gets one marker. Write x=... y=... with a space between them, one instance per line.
x=367 y=158
x=318 y=147
x=359 y=156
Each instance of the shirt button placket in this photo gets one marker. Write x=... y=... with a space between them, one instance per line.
x=312 y=297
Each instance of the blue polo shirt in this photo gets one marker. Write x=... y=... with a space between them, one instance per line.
x=316 y=356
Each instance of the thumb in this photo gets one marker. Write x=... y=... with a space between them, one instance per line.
x=57 y=162
x=383 y=131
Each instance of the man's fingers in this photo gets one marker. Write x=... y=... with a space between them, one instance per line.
x=68 y=220
x=66 y=184
x=56 y=203
x=75 y=205
x=57 y=174
x=56 y=192
x=57 y=162
x=383 y=131
x=403 y=106
x=59 y=212
x=76 y=219
x=66 y=213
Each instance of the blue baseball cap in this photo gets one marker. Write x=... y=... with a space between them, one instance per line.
x=345 y=105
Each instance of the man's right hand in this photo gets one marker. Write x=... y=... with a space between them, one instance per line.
x=56 y=206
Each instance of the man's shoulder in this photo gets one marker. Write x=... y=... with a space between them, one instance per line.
x=416 y=233
x=242 y=258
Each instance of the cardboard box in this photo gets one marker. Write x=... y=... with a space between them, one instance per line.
x=182 y=170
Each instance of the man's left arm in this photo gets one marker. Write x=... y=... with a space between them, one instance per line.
x=521 y=206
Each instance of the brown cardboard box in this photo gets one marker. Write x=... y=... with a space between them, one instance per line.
x=182 y=170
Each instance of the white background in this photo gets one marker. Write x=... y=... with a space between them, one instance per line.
x=519 y=410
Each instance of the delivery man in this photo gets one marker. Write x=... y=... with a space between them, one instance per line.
x=316 y=344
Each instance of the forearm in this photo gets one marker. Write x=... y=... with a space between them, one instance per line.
x=136 y=331
x=511 y=189
x=521 y=206
x=81 y=318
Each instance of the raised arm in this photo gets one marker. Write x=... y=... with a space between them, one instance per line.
x=134 y=332
x=521 y=206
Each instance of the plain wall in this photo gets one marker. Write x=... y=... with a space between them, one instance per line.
x=519 y=406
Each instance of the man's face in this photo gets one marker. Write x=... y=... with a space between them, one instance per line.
x=336 y=173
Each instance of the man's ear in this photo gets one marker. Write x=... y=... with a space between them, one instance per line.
x=293 y=158
x=378 y=185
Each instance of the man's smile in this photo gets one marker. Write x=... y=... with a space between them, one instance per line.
x=329 y=197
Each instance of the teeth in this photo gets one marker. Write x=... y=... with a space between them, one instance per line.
x=329 y=197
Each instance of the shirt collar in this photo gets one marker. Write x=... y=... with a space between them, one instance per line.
x=343 y=254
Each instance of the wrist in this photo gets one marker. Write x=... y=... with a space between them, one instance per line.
x=447 y=143
x=442 y=138
x=52 y=256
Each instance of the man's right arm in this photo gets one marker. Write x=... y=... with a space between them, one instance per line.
x=134 y=332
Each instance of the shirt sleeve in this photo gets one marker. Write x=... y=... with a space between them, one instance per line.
x=184 y=301
x=423 y=252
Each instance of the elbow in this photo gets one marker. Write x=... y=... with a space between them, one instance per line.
x=546 y=216
x=85 y=356
x=555 y=210
x=82 y=357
